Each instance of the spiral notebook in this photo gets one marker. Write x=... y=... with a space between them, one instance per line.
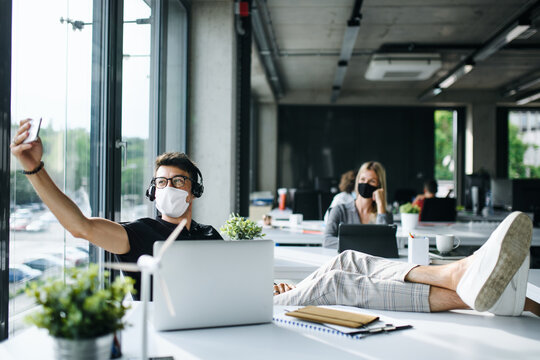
x=376 y=327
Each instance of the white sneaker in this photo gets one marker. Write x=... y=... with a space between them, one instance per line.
x=512 y=299
x=496 y=262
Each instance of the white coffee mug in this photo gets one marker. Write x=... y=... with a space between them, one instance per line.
x=296 y=219
x=445 y=243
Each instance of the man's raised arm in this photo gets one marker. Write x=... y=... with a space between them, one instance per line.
x=104 y=233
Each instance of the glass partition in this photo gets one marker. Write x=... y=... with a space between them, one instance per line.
x=51 y=79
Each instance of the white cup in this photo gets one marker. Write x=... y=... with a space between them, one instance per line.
x=445 y=243
x=296 y=219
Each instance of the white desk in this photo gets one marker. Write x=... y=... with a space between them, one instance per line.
x=472 y=233
x=449 y=335
x=292 y=236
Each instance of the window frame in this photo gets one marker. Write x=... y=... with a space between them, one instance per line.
x=5 y=139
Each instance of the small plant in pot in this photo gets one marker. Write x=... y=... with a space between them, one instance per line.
x=240 y=228
x=79 y=313
x=409 y=216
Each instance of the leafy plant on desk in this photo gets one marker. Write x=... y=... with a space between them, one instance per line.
x=240 y=228
x=409 y=208
x=79 y=308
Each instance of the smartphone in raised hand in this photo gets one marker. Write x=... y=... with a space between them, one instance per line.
x=33 y=132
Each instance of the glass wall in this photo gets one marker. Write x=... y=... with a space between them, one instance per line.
x=444 y=151
x=137 y=154
x=51 y=80
x=524 y=144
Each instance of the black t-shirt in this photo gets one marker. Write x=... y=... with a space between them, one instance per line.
x=143 y=233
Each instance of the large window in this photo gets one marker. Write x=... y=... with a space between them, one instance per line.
x=444 y=150
x=137 y=154
x=51 y=79
x=524 y=144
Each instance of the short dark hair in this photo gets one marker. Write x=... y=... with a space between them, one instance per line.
x=431 y=185
x=348 y=181
x=181 y=161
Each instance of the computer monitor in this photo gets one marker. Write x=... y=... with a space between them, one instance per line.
x=525 y=195
x=501 y=193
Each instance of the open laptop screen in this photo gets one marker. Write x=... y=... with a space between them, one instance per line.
x=215 y=283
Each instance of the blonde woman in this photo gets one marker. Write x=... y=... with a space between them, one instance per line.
x=368 y=208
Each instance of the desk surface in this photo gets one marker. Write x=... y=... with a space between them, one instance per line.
x=471 y=233
x=450 y=335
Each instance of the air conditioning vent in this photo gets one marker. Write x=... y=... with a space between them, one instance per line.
x=402 y=67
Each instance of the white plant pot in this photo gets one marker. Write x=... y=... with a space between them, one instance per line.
x=84 y=349
x=409 y=221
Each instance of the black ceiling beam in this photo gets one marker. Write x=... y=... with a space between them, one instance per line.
x=520 y=22
x=347 y=47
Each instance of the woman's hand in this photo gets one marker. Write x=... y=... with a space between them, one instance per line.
x=29 y=155
x=378 y=197
x=281 y=288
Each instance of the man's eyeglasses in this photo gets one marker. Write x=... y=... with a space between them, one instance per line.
x=178 y=181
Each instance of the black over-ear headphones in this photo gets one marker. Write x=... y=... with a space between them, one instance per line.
x=197 y=188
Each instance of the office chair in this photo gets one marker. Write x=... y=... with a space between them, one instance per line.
x=306 y=202
x=403 y=195
x=439 y=209
x=325 y=199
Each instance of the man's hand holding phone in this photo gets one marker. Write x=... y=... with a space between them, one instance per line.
x=26 y=145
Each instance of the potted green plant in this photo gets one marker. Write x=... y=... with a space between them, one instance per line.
x=240 y=228
x=79 y=313
x=409 y=216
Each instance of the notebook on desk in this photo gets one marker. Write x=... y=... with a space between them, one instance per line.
x=377 y=240
x=215 y=283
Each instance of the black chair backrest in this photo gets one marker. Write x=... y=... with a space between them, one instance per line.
x=439 y=209
x=325 y=199
x=306 y=202
x=404 y=195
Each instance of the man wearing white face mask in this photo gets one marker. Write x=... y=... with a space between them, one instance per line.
x=176 y=183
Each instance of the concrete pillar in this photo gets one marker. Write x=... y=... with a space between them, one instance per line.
x=267 y=162
x=480 y=138
x=212 y=121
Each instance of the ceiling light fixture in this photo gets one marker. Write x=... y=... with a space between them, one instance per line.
x=501 y=40
x=434 y=91
x=513 y=90
x=528 y=98
x=455 y=75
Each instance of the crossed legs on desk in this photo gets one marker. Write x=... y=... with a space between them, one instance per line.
x=493 y=279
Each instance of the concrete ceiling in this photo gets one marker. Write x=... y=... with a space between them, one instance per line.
x=309 y=35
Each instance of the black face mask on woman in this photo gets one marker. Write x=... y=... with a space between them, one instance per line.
x=365 y=190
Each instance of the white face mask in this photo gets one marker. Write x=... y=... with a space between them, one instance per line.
x=171 y=201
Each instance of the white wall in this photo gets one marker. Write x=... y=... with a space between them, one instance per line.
x=211 y=125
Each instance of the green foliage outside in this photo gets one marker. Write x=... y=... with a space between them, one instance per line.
x=444 y=143
x=240 y=228
x=79 y=308
x=77 y=164
x=409 y=208
x=516 y=153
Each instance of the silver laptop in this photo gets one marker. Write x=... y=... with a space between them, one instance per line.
x=215 y=283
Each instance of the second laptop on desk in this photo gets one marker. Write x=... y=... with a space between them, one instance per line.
x=377 y=240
